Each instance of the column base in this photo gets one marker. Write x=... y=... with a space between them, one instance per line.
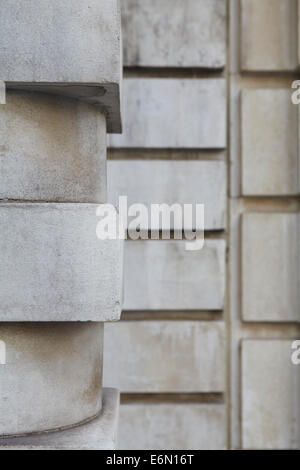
x=99 y=434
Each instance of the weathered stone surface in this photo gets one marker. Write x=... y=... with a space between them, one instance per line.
x=269 y=143
x=49 y=368
x=53 y=266
x=172 y=427
x=162 y=275
x=151 y=34
x=162 y=356
x=169 y=182
x=270 y=395
x=52 y=149
x=269 y=35
x=173 y=113
x=270 y=267
x=74 y=48
x=98 y=434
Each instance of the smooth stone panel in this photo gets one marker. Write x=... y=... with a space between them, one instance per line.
x=168 y=182
x=98 y=434
x=52 y=149
x=173 y=113
x=270 y=395
x=64 y=46
x=270 y=266
x=164 y=356
x=53 y=266
x=269 y=143
x=162 y=275
x=269 y=35
x=52 y=377
x=172 y=427
x=151 y=39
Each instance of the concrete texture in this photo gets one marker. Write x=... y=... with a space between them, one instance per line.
x=54 y=268
x=269 y=143
x=98 y=434
x=165 y=357
x=161 y=181
x=270 y=395
x=173 y=33
x=74 y=47
x=172 y=427
x=52 y=377
x=52 y=149
x=173 y=113
x=269 y=35
x=162 y=275
x=270 y=261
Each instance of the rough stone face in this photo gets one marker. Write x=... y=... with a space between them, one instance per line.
x=173 y=113
x=53 y=266
x=270 y=267
x=162 y=356
x=194 y=35
x=172 y=426
x=52 y=149
x=49 y=367
x=162 y=275
x=269 y=143
x=98 y=434
x=269 y=35
x=270 y=395
x=73 y=48
x=160 y=181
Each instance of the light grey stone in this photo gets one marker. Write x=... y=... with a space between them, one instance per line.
x=173 y=33
x=269 y=35
x=270 y=395
x=172 y=426
x=53 y=266
x=160 y=181
x=270 y=267
x=52 y=377
x=64 y=46
x=52 y=149
x=162 y=275
x=98 y=434
x=173 y=113
x=164 y=356
x=269 y=143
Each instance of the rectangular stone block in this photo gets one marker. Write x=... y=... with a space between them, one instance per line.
x=270 y=267
x=268 y=35
x=172 y=427
x=269 y=143
x=270 y=395
x=53 y=266
x=173 y=113
x=171 y=182
x=53 y=149
x=165 y=356
x=151 y=39
x=72 y=45
x=162 y=275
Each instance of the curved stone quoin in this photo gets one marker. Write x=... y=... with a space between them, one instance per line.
x=52 y=377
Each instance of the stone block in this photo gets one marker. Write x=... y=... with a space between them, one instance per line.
x=161 y=181
x=270 y=267
x=151 y=39
x=269 y=143
x=173 y=113
x=162 y=275
x=270 y=395
x=165 y=356
x=52 y=149
x=53 y=266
